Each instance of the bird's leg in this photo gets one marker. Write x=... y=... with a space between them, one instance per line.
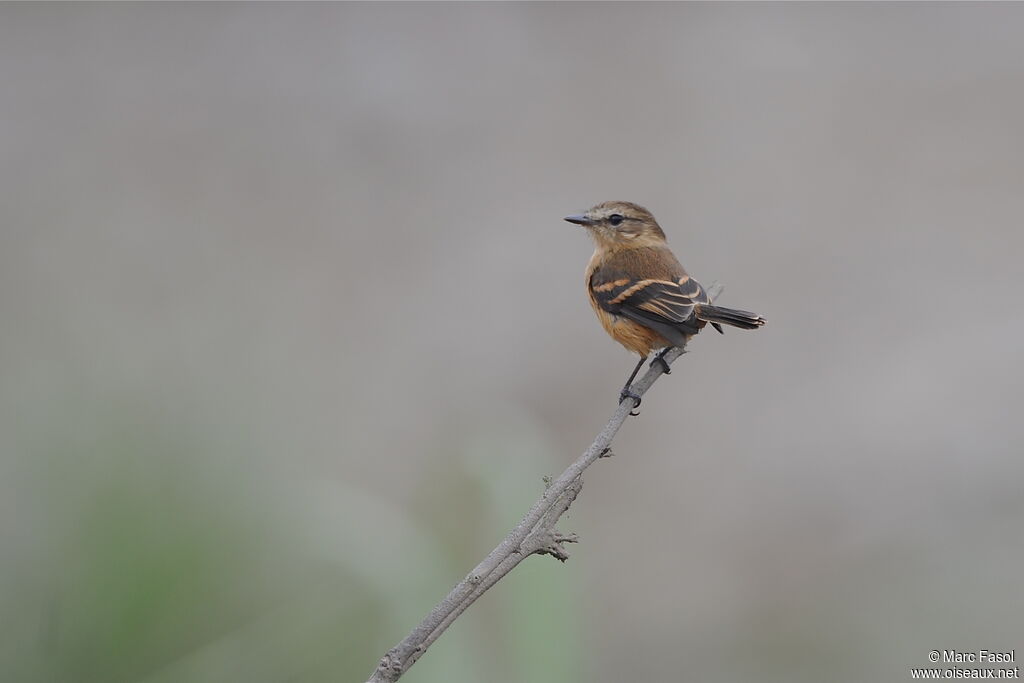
x=660 y=358
x=626 y=393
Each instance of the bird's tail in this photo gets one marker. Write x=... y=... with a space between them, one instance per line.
x=729 y=316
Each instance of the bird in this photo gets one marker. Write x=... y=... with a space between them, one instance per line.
x=643 y=297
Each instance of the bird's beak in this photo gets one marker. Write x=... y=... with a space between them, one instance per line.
x=579 y=219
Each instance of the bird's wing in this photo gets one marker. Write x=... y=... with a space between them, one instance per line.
x=662 y=300
x=647 y=288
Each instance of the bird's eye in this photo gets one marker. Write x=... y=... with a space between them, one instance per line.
x=615 y=219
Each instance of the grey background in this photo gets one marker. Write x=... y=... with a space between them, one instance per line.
x=292 y=329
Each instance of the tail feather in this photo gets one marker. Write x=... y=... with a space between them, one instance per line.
x=729 y=316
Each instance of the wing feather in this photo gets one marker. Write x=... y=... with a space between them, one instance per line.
x=664 y=300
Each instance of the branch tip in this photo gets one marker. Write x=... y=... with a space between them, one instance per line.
x=571 y=537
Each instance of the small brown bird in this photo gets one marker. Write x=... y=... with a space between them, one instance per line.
x=641 y=294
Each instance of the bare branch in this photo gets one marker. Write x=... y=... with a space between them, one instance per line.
x=535 y=534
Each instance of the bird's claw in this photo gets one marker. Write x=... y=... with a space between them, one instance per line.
x=626 y=393
x=665 y=367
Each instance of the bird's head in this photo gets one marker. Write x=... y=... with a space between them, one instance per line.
x=620 y=224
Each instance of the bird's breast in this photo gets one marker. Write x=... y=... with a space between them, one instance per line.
x=632 y=335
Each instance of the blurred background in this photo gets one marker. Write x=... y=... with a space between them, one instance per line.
x=293 y=330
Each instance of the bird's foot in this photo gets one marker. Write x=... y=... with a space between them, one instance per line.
x=626 y=393
x=660 y=359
